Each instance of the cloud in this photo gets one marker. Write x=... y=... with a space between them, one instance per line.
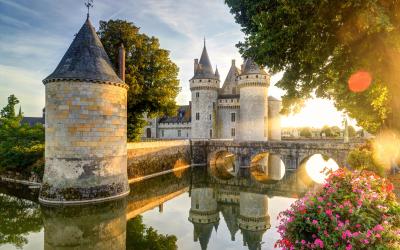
x=26 y=85
x=13 y=22
x=20 y=7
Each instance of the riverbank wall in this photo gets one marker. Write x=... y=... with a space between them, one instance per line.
x=155 y=157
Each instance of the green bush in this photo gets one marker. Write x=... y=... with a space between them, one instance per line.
x=21 y=145
x=362 y=159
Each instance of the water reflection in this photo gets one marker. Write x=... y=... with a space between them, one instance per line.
x=223 y=165
x=267 y=167
x=101 y=226
x=219 y=214
x=18 y=218
x=318 y=166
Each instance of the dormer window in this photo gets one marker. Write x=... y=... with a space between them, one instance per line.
x=209 y=80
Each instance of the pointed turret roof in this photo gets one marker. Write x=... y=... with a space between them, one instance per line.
x=250 y=67
x=230 y=80
x=85 y=60
x=204 y=69
x=216 y=71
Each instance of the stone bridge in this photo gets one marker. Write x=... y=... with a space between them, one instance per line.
x=292 y=153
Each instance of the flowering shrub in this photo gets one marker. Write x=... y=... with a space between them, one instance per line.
x=353 y=210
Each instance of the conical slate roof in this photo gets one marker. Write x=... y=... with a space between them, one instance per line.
x=230 y=80
x=250 y=67
x=85 y=60
x=204 y=69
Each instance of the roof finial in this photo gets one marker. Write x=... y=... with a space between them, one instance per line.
x=204 y=41
x=88 y=4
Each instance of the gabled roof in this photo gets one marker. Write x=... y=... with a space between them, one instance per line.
x=204 y=69
x=250 y=67
x=85 y=60
x=32 y=121
x=230 y=80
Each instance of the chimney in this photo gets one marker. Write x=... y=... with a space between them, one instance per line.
x=196 y=64
x=121 y=62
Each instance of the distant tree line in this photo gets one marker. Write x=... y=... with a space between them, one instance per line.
x=328 y=131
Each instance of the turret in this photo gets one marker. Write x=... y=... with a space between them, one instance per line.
x=86 y=126
x=203 y=214
x=204 y=87
x=253 y=85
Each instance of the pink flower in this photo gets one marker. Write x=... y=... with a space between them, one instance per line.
x=328 y=212
x=320 y=199
x=319 y=243
x=377 y=235
x=303 y=242
x=349 y=247
x=378 y=227
x=314 y=222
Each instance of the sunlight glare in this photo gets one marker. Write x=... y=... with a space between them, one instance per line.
x=317 y=168
x=359 y=81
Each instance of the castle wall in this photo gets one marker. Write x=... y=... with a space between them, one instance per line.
x=86 y=156
x=171 y=130
x=253 y=113
x=225 y=123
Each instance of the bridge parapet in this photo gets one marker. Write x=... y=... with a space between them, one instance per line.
x=292 y=152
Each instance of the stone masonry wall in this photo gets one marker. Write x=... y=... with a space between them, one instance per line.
x=86 y=129
x=145 y=158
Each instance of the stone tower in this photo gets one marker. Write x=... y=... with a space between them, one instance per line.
x=203 y=214
x=204 y=87
x=86 y=126
x=253 y=86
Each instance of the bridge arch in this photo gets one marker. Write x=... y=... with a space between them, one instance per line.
x=316 y=166
x=222 y=164
x=267 y=166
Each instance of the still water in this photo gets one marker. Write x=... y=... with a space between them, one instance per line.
x=189 y=209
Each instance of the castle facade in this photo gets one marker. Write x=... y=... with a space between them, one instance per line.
x=241 y=109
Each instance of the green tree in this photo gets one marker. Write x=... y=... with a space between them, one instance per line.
x=21 y=146
x=327 y=131
x=305 y=132
x=8 y=112
x=140 y=237
x=335 y=131
x=150 y=73
x=320 y=44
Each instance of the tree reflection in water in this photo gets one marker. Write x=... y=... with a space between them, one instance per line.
x=140 y=237
x=18 y=218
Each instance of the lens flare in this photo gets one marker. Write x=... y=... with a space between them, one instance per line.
x=317 y=168
x=359 y=81
x=386 y=148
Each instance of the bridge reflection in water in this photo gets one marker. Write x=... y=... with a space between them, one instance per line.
x=245 y=202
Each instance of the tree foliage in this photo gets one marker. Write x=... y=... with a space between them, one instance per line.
x=18 y=217
x=140 y=237
x=150 y=73
x=20 y=144
x=320 y=44
x=306 y=132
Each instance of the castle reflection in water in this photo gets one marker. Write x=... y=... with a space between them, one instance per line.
x=216 y=196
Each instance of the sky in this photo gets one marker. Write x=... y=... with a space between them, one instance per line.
x=35 y=34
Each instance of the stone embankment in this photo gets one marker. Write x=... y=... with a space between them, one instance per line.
x=148 y=159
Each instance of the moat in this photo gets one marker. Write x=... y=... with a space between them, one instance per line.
x=196 y=208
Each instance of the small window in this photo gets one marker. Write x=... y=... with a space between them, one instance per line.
x=179 y=133
x=233 y=117
x=247 y=76
x=233 y=132
x=197 y=116
x=162 y=133
x=211 y=133
x=210 y=117
x=209 y=80
x=256 y=76
x=197 y=205
x=199 y=80
x=197 y=94
x=213 y=105
x=265 y=128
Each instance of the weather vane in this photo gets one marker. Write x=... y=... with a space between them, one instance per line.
x=88 y=4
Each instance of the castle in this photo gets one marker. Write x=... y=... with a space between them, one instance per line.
x=241 y=109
